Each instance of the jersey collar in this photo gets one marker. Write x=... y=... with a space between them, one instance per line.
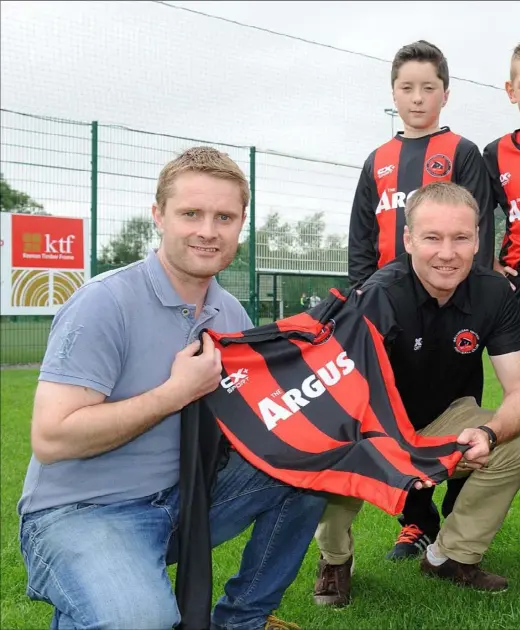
x=399 y=135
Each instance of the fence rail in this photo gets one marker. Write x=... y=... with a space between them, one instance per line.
x=293 y=245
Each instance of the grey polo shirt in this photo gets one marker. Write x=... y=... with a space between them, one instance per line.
x=119 y=334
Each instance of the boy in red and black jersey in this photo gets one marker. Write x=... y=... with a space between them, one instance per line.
x=423 y=153
x=502 y=159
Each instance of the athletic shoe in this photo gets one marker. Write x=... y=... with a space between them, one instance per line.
x=411 y=542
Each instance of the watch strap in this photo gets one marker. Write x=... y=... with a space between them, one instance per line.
x=491 y=435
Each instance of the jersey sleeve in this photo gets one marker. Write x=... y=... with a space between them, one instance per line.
x=86 y=343
x=471 y=173
x=490 y=156
x=373 y=301
x=505 y=337
x=362 y=249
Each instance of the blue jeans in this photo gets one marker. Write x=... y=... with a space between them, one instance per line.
x=103 y=566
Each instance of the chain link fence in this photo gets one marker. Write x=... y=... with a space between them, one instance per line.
x=48 y=159
x=292 y=247
x=324 y=108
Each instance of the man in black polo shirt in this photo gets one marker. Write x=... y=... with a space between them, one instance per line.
x=438 y=312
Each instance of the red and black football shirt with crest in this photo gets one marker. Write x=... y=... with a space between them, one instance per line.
x=502 y=159
x=393 y=172
x=311 y=400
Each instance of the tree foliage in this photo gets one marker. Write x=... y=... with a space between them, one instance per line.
x=16 y=201
x=300 y=245
x=130 y=244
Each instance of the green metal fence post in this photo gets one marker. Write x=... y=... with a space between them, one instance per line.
x=93 y=198
x=253 y=302
x=275 y=297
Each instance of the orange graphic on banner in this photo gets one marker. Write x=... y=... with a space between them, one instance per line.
x=47 y=242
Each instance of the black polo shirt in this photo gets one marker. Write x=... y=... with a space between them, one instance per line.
x=436 y=352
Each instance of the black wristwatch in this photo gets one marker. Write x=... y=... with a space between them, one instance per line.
x=491 y=435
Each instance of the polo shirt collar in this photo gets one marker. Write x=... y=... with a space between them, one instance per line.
x=164 y=290
x=460 y=299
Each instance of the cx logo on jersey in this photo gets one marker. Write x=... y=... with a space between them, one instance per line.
x=505 y=178
x=235 y=380
x=385 y=170
x=466 y=341
x=438 y=165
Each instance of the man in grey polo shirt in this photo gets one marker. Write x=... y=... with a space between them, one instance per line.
x=101 y=500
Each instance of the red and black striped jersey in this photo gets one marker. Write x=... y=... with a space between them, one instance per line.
x=396 y=170
x=311 y=400
x=502 y=159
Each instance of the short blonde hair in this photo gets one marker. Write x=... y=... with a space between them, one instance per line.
x=515 y=58
x=440 y=192
x=206 y=160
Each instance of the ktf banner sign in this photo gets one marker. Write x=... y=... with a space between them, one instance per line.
x=44 y=260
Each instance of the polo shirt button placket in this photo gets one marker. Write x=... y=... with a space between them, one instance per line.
x=191 y=337
x=200 y=324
